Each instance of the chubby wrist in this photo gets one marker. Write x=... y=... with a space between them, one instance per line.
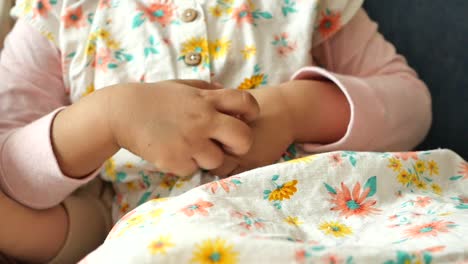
x=319 y=110
x=273 y=106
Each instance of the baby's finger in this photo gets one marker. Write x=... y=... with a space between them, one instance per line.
x=208 y=155
x=234 y=134
x=200 y=84
x=229 y=165
x=235 y=102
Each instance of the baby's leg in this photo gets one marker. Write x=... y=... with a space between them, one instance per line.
x=31 y=235
x=63 y=234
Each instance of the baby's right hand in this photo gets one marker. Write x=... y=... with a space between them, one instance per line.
x=177 y=125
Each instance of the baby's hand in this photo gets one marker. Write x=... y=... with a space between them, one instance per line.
x=272 y=134
x=177 y=124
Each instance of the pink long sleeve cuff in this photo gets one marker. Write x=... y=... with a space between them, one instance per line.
x=28 y=151
x=390 y=106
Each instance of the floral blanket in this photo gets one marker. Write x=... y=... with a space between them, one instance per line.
x=339 y=207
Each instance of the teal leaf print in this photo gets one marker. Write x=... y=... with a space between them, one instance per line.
x=121 y=56
x=112 y=66
x=151 y=41
x=145 y=179
x=462 y=206
x=138 y=20
x=275 y=177
x=90 y=18
x=149 y=51
x=53 y=2
x=317 y=248
x=71 y=55
x=288 y=7
x=144 y=198
x=287 y=10
x=121 y=176
x=277 y=205
x=351 y=155
x=265 y=15
x=236 y=181
x=372 y=185
x=428 y=179
x=455 y=178
x=427 y=257
x=330 y=189
x=349 y=260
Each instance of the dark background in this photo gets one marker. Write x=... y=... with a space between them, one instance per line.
x=433 y=36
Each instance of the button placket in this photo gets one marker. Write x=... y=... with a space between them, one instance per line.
x=193 y=26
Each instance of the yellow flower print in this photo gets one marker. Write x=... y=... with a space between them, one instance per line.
x=102 y=34
x=89 y=90
x=436 y=188
x=213 y=251
x=335 y=229
x=131 y=186
x=26 y=6
x=251 y=83
x=90 y=49
x=160 y=245
x=48 y=35
x=293 y=220
x=219 y=48
x=249 y=51
x=306 y=159
x=404 y=177
x=110 y=169
x=112 y=44
x=420 y=166
x=129 y=165
x=198 y=45
x=216 y=11
x=433 y=168
x=285 y=191
x=156 y=213
x=420 y=185
x=394 y=164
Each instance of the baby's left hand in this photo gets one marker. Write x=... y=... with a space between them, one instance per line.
x=272 y=135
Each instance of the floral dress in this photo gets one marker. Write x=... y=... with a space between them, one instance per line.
x=243 y=44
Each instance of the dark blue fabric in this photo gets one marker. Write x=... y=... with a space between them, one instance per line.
x=433 y=36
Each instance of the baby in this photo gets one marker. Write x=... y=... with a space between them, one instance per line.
x=137 y=86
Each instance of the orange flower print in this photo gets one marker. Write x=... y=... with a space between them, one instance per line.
x=225 y=184
x=199 y=207
x=283 y=45
x=103 y=59
x=161 y=12
x=249 y=221
x=73 y=18
x=243 y=14
x=41 y=8
x=329 y=23
x=335 y=159
x=104 y=4
x=406 y=155
x=247 y=13
x=355 y=203
x=423 y=201
x=464 y=170
x=430 y=229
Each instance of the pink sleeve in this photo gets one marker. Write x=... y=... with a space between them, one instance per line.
x=31 y=93
x=390 y=106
